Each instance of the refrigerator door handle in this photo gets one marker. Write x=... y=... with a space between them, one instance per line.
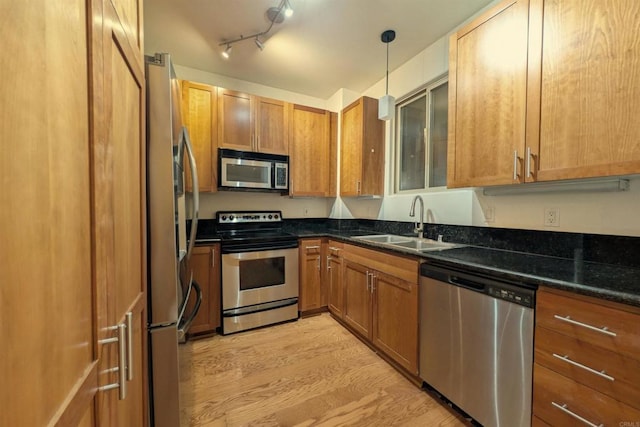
x=185 y=323
x=183 y=305
x=196 y=193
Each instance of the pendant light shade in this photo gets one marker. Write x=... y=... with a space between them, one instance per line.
x=387 y=103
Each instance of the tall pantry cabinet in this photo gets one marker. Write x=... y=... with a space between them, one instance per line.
x=72 y=253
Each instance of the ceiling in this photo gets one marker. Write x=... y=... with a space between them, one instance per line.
x=326 y=45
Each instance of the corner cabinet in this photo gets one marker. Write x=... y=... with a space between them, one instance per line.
x=199 y=111
x=205 y=263
x=544 y=90
x=587 y=363
x=381 y=302
x=362 y=150
x=310 y=151
x=251 y=123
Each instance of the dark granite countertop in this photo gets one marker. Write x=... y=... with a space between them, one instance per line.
x=611 y=282
x=606 y=280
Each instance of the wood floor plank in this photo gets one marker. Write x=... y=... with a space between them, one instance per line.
x=312 y=372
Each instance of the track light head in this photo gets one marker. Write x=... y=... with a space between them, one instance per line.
x=288 y=10
x=259 y=44
x=227 y=52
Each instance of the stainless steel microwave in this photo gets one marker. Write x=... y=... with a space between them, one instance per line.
x=243 y=170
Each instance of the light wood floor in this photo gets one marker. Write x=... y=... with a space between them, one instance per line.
x=312 y=372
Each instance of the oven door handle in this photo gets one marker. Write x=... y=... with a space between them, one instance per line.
x=258 y=248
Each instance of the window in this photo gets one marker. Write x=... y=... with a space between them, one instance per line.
x=421 y=139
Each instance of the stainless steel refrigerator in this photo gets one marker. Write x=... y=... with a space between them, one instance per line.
x=170 y=281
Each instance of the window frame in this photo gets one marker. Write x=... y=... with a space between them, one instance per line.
x=424 y=90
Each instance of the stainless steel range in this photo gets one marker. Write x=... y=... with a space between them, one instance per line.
x=259 y=270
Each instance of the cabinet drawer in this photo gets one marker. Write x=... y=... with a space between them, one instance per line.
x=559 y=401
x=608 y=372
x=397 y=266
x=616 y=330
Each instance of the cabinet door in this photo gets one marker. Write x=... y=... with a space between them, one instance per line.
x=47 y=267
x=589 y=88
x=395 y=319
x=310 y=150
x=487 y=97
x=205 y=264
x=357 y=297
x=336 y=289
x=272 y=126
x=310 y=267
x=235 y=120
x=124 y=239
x=199 y=107
x=372 y=150
x=351 y=150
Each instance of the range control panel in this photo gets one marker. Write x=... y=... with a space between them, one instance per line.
x=234 y=217
x=521 y=297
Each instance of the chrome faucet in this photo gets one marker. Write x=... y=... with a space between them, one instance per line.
x=412 y=212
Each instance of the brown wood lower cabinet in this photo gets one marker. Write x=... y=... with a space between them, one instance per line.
x=587 y=365
x=312 y=278
x=205 y=262
x=381 y=302
x=335 y=291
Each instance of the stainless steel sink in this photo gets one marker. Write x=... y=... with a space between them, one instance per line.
x=424 y=245
x=411 y=243
x=385 y=238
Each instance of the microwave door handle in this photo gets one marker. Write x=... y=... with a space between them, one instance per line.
x=196 y=193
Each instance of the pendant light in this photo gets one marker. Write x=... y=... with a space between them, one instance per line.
x=387 y=103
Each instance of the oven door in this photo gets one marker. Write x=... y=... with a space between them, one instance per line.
x=258 y=277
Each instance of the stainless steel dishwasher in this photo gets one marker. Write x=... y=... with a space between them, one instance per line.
x=476 y=344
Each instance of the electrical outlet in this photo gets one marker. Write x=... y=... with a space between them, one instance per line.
x=552 y=217
x=490 y=214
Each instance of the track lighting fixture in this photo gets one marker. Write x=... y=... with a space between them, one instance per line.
x=288 y=10
x=275 y=15
x=227 y=52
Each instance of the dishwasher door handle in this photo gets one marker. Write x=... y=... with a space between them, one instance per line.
x=466 y=283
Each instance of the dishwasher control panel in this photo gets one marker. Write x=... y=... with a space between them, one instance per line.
x=523 y=297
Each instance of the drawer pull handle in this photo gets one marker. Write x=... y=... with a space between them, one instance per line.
x=312 y=247
x=564 y=409
x=603 y=330
x=586 y=368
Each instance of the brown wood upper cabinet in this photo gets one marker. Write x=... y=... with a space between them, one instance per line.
x=362 y=150
x=251 y=123
x=544 y=90
x=381 y=302
x=199 y=106
x=310 y=151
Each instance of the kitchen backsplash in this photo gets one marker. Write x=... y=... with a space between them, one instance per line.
x=617 y=250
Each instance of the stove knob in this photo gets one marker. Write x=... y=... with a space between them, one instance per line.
x=230 y=217
x=224 y=217
x=270 y=216
x=276 y=216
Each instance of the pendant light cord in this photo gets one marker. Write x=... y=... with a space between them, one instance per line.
x=387 y=89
